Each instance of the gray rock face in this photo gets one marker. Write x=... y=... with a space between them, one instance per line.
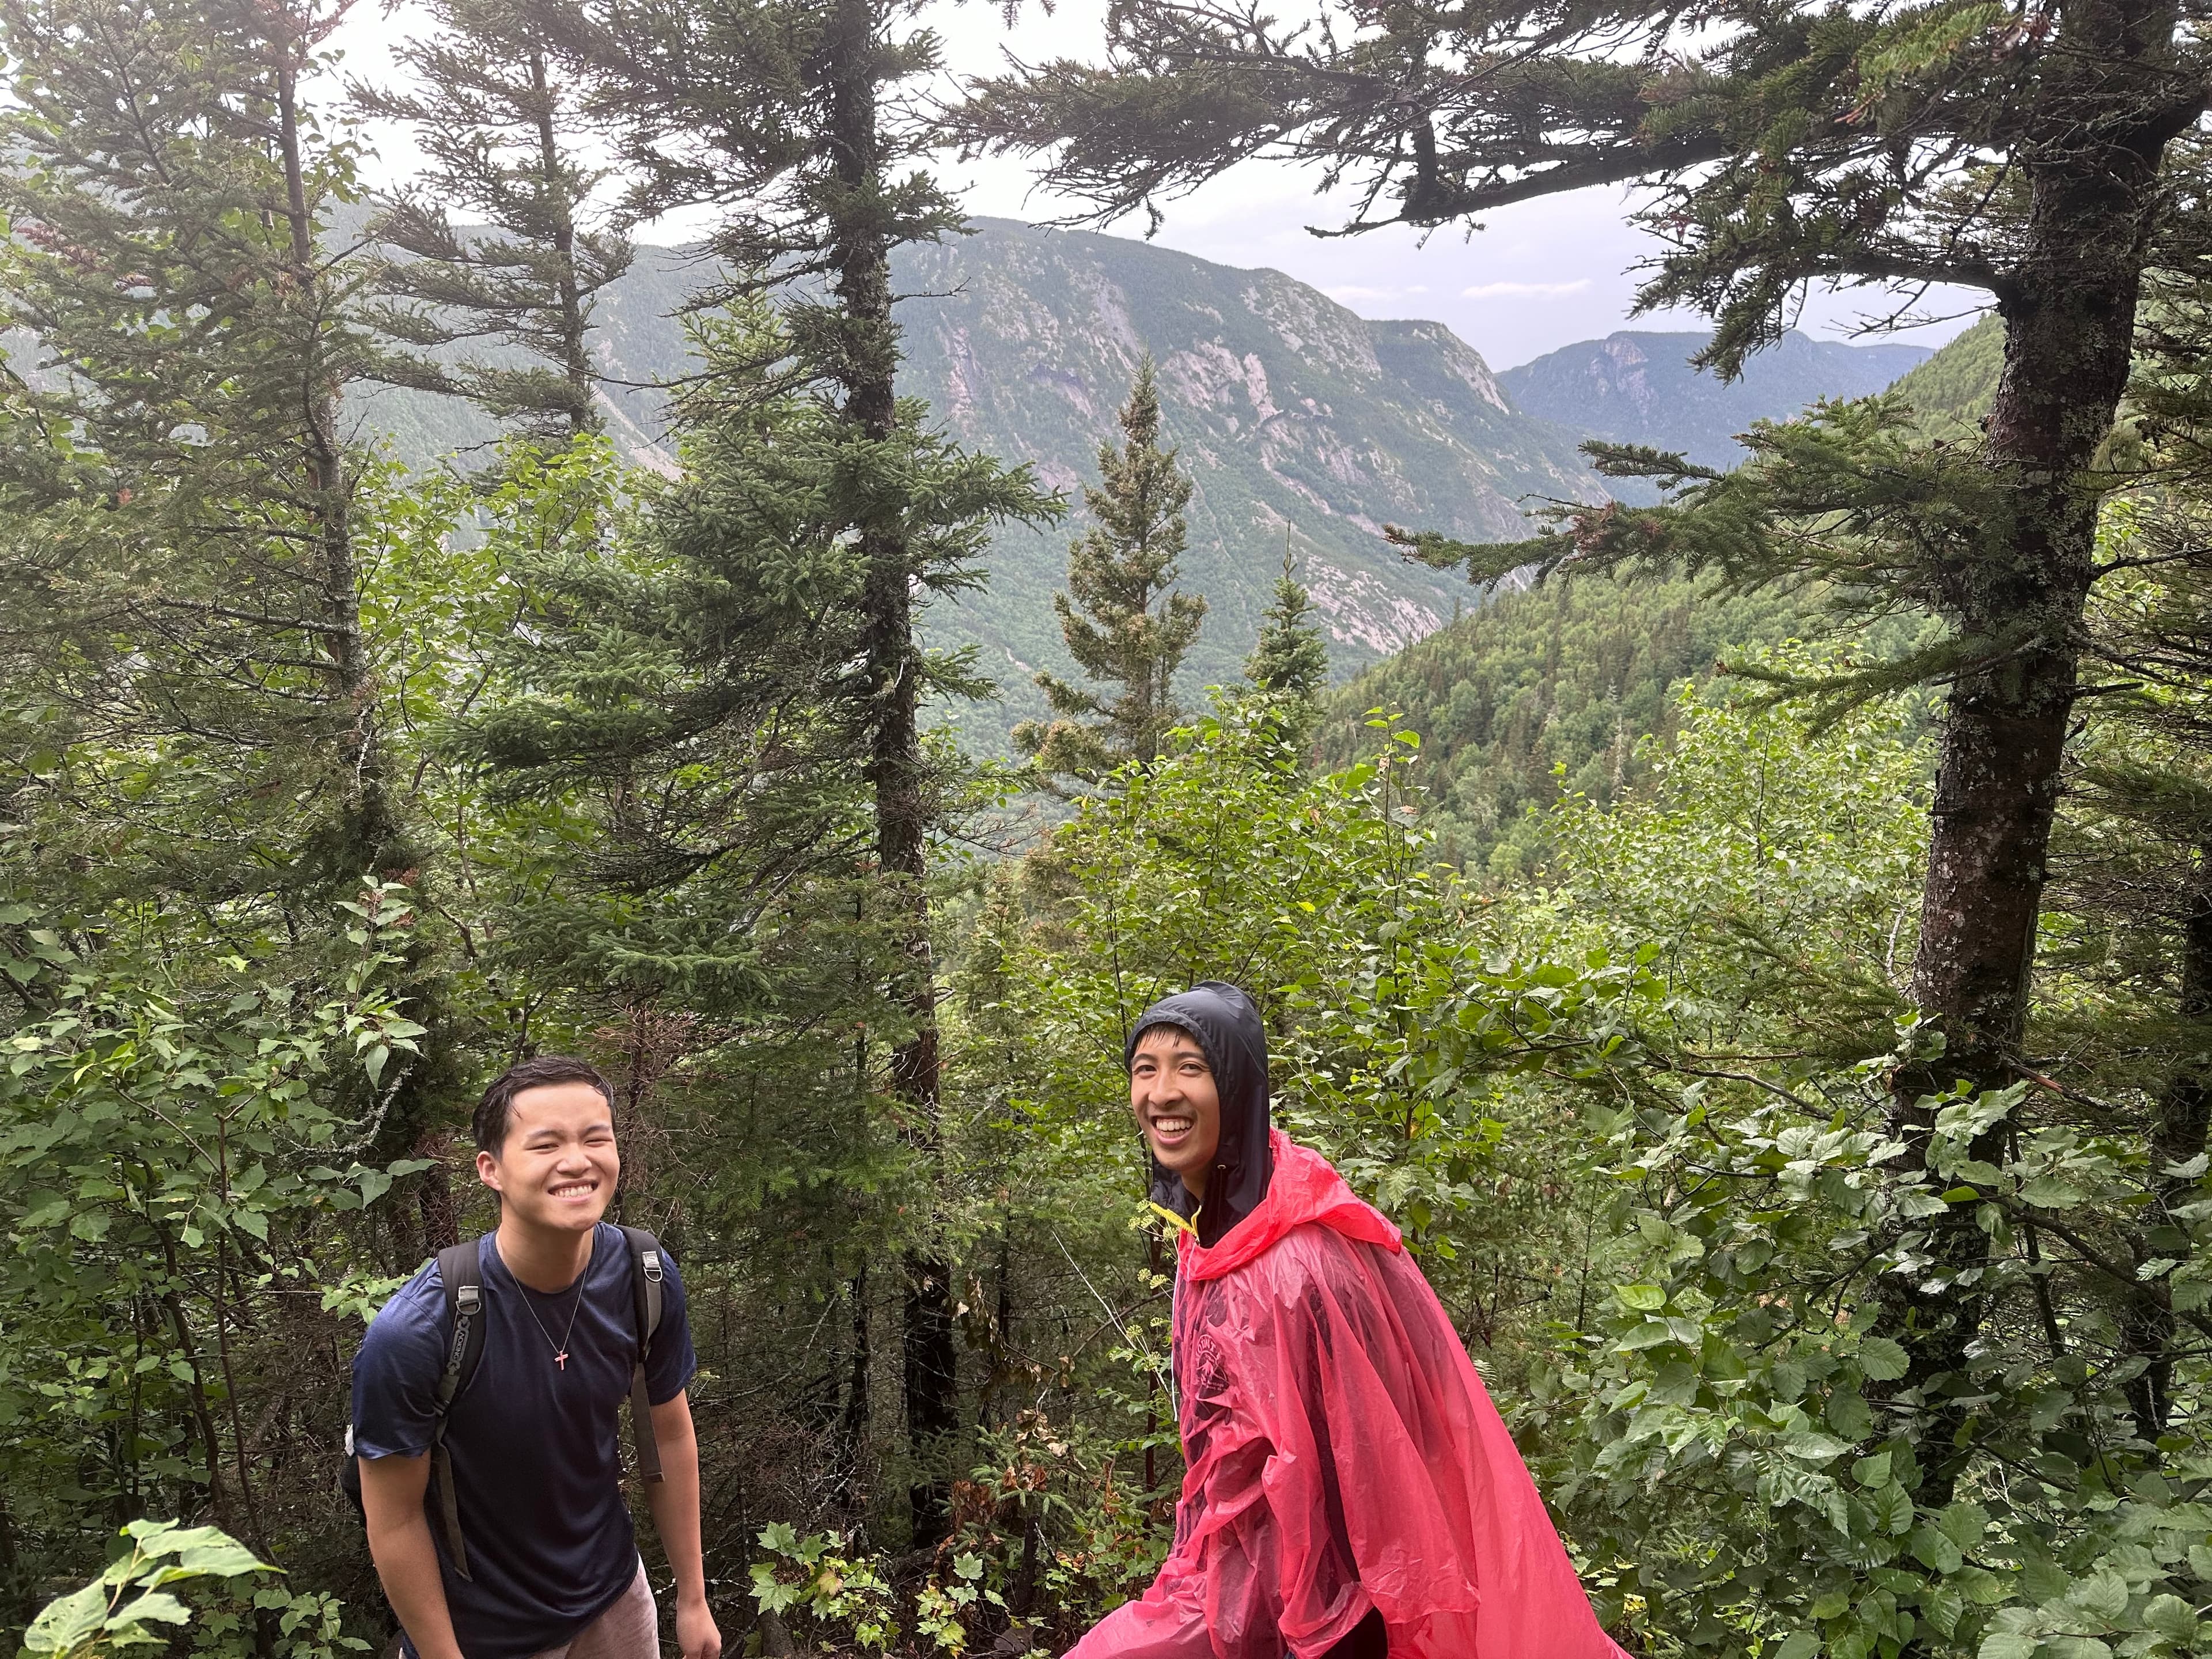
x=1295 y=416
x=1639 y=388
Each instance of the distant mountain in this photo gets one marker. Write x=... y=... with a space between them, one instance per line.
x=1295 y=417
x=1298 y=419
x=1640 y=388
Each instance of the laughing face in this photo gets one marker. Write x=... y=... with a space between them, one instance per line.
x=558 y=1165
x=1172 y=1091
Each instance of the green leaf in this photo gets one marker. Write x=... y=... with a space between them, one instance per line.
x=154 y=1604
x=1802 y=1645
x=1849 y=1415
x=2050 y=1193
x=1935 y=1552
x=67 y=1620
x=2172 y=1618
x=1966 y=1525
x=1872 y=1471
x=2007 y=1644
x=1641 y=1298
x=1882 y=1359
x=212 y=1552
x=1813 y=1447
x=1892 y=1508
x=2103 y=1595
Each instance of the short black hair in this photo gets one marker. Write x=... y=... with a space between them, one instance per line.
x=495 y=1111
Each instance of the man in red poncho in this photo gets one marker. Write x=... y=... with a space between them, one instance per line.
x=1351 y=1492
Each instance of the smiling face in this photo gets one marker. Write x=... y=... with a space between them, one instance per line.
x=1172 y=1091
x=557 y=1167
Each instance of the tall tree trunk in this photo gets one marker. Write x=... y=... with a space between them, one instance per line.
x=2178 y=1135
x=369 y=837
x=2070 y=332
x=576 y=361
x=895 y=772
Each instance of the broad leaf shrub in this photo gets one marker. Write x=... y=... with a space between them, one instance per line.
x=134 y=1603
x=178 y=1143
x=1744 y=1463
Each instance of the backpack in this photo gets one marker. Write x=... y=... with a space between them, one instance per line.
x=461 y=1273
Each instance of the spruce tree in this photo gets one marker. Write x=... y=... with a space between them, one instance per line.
x=1126 y=625
x=1290 y=662
x=180 y=543
x=787 y=117
x=497 y=124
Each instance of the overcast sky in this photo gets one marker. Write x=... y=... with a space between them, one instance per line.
x=1537 y=277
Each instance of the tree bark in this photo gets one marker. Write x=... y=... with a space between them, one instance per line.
x=576 y=359
x=2069 y=308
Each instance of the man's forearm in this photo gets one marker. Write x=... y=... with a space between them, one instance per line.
x=407 y=1563
x=675 y=1502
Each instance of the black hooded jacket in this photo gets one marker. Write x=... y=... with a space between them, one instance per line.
x=1227 y=1025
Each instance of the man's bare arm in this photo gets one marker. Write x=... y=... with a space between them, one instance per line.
x=675 y=1500
x=406 y=1560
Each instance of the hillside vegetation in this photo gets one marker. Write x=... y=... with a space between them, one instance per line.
x=1570 y=689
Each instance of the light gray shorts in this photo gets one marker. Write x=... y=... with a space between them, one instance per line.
x=630 y=1629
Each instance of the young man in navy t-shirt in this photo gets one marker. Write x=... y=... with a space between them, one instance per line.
x=534 y=1438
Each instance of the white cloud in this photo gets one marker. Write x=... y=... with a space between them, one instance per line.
x=1352 y=293
x=1525 y=290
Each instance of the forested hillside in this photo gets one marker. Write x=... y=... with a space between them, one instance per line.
x=1566 y=689
x=1570 y=689
x=1785 y=1093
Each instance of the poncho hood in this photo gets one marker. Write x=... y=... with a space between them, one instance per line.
x=1226 y=1023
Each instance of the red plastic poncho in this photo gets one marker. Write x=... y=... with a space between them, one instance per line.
x=1343 y=1455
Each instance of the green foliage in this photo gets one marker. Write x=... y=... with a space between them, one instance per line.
x=1117 y=572
x=497 y=128
x=852 y=1596
x=1547 y=691
x=114 y=1609
x=1290 y=664
x=174 y=1146
x=1951 y=392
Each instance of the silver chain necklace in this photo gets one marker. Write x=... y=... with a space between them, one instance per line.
x=561 y=1348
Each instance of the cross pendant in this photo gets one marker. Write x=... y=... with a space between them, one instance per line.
x=561 y=1360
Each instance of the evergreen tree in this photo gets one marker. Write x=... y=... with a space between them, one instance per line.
x=785 y=115
x=1290 y=660
x=180 y=544
x=495 y=123
x=1125 y=624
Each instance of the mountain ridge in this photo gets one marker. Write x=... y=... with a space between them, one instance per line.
x=1303 y=425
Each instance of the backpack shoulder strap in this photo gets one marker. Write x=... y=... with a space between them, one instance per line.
x=647 y=1276
x=460 y=1272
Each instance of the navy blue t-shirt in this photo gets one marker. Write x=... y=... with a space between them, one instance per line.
x=536 y=1447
